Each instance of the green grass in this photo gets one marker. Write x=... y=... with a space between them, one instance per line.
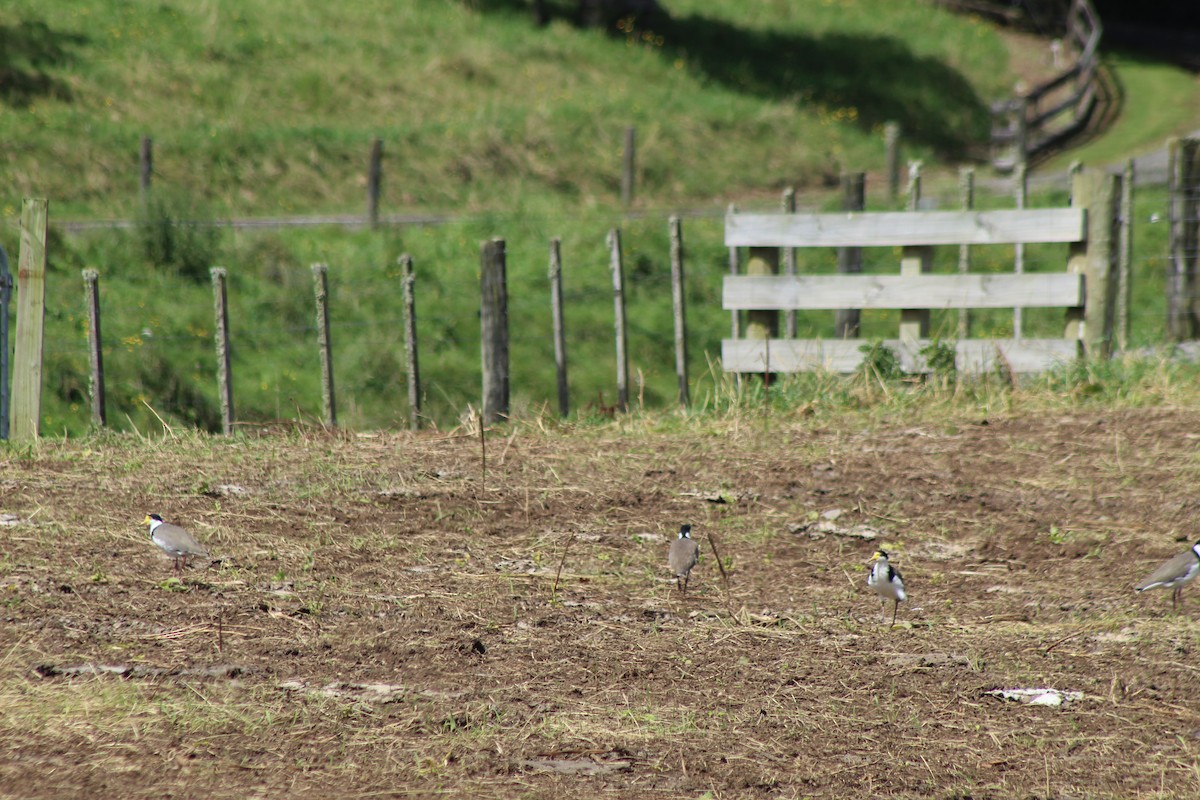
x=1157 y=100
x=267 y=108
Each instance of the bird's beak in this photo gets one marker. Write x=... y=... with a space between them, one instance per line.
x=146 y=521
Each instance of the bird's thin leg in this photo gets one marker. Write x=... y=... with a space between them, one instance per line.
x=895 y=608
x=686 y=578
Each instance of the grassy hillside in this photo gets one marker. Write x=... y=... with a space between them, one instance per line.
x=268 y=107
x=265 y=108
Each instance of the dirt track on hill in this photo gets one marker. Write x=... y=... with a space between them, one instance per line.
x=386 y=618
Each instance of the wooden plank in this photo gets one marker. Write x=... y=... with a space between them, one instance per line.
x=821 y=292
x=841 y=355
x=31 y=317
x=900 y=228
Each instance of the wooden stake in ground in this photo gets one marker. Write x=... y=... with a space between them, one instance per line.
x=712 y=542
x=224 y=378
x=91 y=279
x=321 y=288
x=31 y=313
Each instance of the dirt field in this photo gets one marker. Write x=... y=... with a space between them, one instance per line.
x=385 y=619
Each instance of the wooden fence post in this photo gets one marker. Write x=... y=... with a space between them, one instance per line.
x=1183 y=321
x=846 y=321
x=1021 y=191
x=221 y=339
x=627 y=167
x=618 y=279
x=1125 y=258
x=891 y=146
x=412 y=369
x=966 y=193
x=914 y=260
x=31 y=320
x=763 y=324
x=91 y=295
x=677 y=297
x=913 y=189
x=374 y=181
x=560 y=337
x=321 y=291
x=789 y=263
x=735 y=319
x=494 y=324
x=1095 y=258
x=145 y=166
x=6 y=286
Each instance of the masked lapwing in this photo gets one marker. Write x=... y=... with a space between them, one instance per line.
x=174 y=540
x=684 y=553
x=1175 y=573
x=886 y=581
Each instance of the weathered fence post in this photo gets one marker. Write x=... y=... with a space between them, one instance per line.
x=789 y=262
x=913 y=189
x=145 y=166
x=677 y=297
x=31 y=319
x=493 y=316
x=374 y=180
x=1183 y=321
x=324 y=344
x=966 y=194
x=1095 y=259
x=618 y=279
x=560 y=336
x=891 y=146
x=410 y=342
x=1021 y=191
x=763 y=324
x=221 y=339
x=735 y=319
x=846 y=321
x=91 y=296
x=6 y=286
x=914 y=260
x=627 y=167
x=1125 y=258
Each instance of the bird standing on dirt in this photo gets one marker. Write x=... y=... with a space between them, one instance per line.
x=174 y=540
x=1174 y=574
x=886 y=581
x=683 y=555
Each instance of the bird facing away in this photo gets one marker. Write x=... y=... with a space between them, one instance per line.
x=1175 y=573
x=684 y=553
x=174 y=540
x=886 y=581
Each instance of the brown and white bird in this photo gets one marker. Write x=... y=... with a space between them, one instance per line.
x=683 y=555
x=886 y=581
x=175 y=541
x=1175 y=573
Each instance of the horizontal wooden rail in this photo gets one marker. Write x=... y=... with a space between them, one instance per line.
x=823 y=292
x=906 y=228
x=845 y=355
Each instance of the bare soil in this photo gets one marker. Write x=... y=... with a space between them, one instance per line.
x=393 y=615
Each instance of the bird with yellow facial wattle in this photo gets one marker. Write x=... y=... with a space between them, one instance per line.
x=886 y=581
